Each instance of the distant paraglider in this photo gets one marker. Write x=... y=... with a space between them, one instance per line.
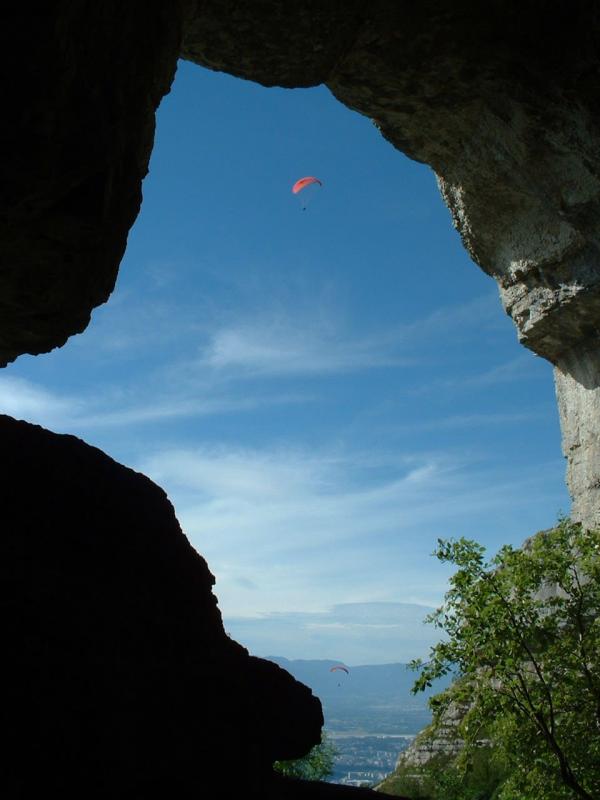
x=303 y=183
x=301 y=186
x=340 y=667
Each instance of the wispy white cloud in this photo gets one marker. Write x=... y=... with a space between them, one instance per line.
x=354 y=633
x=281 y=341
x=305 y=342
x=200 y=349
x=172 y=408
x=111 y=408
x=316 y=342
x=280 y=348
x=131 y=325
x=243 y=473
x=261 y=497
x=524 y=365
x=477 y=420
x=26 y=400
x=458 y=320
x=301 y=335
x=314 y=528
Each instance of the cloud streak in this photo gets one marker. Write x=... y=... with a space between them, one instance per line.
x=314 y=528
x=273 y=345
x=353 y=633
x=281 y=348
x=24 y=399
x=316 y=343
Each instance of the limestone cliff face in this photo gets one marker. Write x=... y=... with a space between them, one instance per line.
x=577 y=378
x=441 y=742
x=433 y=752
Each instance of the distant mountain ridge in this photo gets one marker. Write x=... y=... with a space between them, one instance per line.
x=372 y=698
x=369 y=681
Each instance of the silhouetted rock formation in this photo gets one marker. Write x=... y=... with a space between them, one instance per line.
x=81 y=84
x=120 y=677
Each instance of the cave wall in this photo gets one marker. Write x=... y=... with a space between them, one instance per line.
x=120 y=678
x=120 y=667
x=82 y=83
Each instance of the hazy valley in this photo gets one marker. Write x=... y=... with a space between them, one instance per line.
x=370 y=714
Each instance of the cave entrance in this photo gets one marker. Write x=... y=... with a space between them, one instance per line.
x=321 y=393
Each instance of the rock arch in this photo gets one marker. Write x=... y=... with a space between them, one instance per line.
x=499 y=98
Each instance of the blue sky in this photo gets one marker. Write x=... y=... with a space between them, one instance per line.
x=322 y=393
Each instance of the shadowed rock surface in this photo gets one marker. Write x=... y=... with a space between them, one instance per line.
x=82 y=82
x=121 y=678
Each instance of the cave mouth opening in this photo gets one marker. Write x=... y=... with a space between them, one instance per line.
x=322 y=394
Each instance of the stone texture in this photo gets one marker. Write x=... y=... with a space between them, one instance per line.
x=272 y=43
x=441 y=742
x=577 y=377
x=120 y=680
x=431 y=743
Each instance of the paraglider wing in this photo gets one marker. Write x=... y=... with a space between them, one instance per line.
x=339 y=666
x=303 y=182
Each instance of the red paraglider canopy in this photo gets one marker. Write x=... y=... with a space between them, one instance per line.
x=300 y=184
x=339 y=666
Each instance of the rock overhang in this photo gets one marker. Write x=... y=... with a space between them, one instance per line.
x=500 y=100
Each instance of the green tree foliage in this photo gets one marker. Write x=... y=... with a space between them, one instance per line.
x=315 y=766
x=448 y=778
x=523 y=632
